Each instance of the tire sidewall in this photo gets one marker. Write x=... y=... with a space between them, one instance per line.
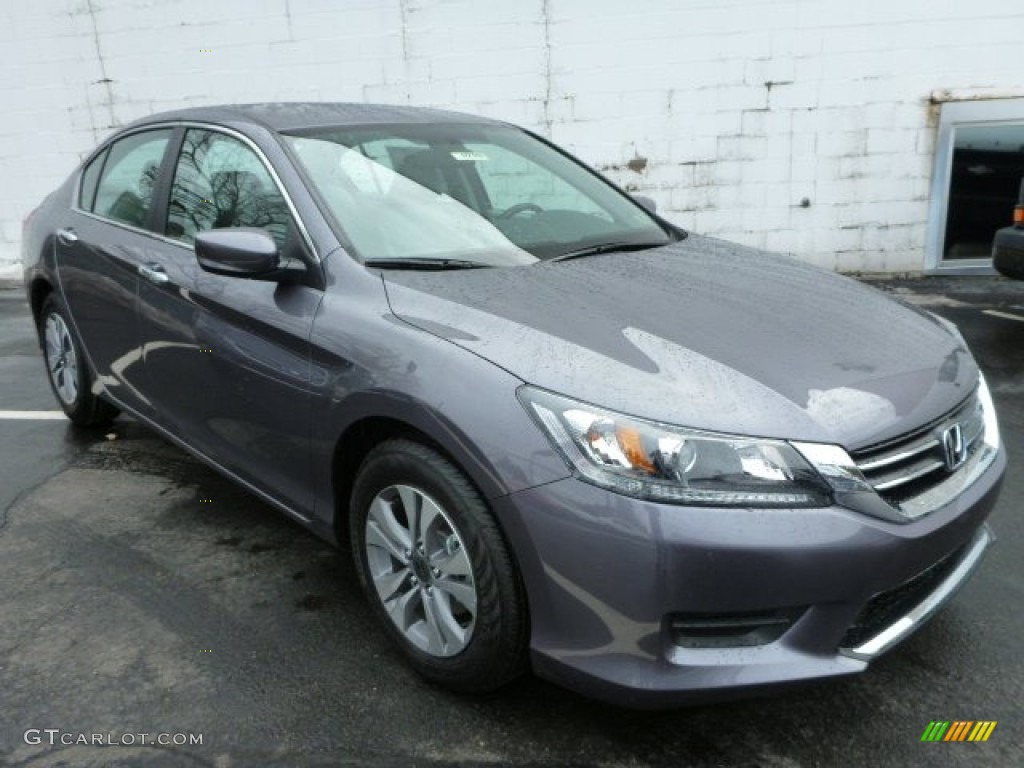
x=406 y=463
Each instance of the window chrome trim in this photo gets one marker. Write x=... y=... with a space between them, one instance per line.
x=924 y=610
x=202 y=126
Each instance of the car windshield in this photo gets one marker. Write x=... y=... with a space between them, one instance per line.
x=489 y=194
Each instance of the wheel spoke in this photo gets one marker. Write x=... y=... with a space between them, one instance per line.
x=52 y=345
x=382 y=513
x=455 y=564
x=429 y=512
x=460 y=591
x=389 y=584
x=401 y=608
x=436 y=643
x=377 y=537
x=411 y=501
x=451 y=633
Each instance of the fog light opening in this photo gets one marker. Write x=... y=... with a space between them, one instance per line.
x=687 y=630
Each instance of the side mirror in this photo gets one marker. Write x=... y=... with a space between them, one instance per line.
x=647 y=203
x=237 y=252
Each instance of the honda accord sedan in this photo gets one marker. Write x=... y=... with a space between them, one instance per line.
x=556 y=432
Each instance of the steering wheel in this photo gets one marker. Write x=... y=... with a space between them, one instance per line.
x=518 y=208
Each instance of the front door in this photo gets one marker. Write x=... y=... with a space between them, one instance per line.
x=227 y=360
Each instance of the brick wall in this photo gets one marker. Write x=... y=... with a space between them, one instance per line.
x=729 y=113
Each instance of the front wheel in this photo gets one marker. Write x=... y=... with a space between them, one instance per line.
x=435 y=567
x=67 y=370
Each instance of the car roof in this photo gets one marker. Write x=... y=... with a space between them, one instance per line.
x=297 y=116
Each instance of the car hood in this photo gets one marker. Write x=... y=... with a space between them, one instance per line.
x=704 y=334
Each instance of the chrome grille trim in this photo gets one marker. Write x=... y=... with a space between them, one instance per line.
x=903 y=469
x=894 y=458
x=906 y=475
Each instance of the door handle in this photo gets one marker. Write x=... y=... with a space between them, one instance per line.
x=67 y=236
x=154 y=273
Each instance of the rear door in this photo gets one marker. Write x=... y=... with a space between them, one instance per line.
x=228 y=359
x=100 y=247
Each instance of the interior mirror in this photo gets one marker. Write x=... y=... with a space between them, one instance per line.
x=646 y=202
x=237 y=252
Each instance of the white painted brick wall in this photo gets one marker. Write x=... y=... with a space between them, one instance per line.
x=739 y=108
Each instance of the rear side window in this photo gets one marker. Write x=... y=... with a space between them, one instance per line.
x=91 y=174
x=220 y=182
x=125 y=190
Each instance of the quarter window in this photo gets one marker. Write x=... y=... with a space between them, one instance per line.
x=125 y=190
x=91 y=174
x=219 y=182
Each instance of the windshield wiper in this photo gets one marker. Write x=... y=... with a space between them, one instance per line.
x=593 y=250
x=425 y=263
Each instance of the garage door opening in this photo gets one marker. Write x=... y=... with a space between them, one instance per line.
x=978 y=170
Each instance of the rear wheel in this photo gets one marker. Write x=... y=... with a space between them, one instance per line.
x=435 y=568
x=67 y=370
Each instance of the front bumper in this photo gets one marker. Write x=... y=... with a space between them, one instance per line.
x=608 y=578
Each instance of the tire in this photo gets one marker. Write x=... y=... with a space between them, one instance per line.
x=429 y=553
x=1009 y=263
x=67 y=370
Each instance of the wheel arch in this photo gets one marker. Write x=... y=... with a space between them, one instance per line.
x=39 y=289
x=361 y=435
x=377 y=418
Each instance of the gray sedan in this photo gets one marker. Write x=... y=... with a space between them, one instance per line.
x=556 y=431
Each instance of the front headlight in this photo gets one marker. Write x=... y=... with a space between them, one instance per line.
x=665 y=463
x=988 y=411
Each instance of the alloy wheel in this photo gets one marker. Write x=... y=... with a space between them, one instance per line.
x=420 y=568
x=61 y=360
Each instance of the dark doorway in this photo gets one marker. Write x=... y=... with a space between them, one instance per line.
x=985 y=176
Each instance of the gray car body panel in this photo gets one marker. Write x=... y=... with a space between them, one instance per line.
x=708 y=335
x=700 y=333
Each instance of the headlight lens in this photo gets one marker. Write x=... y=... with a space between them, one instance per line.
x=988 y=410
x=665 y=463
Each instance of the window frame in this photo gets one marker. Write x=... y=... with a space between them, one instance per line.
x=956 y=114
x=157 y=218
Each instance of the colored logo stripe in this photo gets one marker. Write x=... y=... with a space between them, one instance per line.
x=982 y=730
x=958 y=730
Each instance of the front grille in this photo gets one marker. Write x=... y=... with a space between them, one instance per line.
x=903 y=468
x=886 y=608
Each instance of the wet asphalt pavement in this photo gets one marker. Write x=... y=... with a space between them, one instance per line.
x=141 y=593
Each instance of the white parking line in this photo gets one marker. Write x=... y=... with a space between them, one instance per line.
x=1004 y=315
x=33 y=415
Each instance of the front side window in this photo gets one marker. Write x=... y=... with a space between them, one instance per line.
x=125 y=189
x=487 y=193
x=220 y=182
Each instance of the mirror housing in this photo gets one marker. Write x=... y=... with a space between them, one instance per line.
x=647 y=203
x=246 y=252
